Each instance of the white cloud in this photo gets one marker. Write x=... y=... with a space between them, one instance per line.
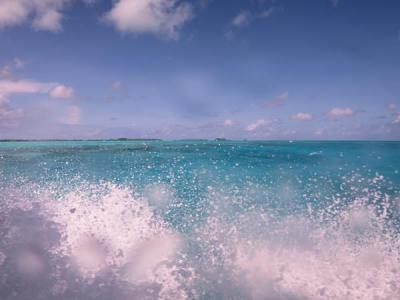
x=159 y=17
x=8 y=87
x=243 y=18
x=392 y=107
x=8 y=116
x=116 y=85
x=54 y=90
x=18 y=63
x=302 y=116
x=60 y=91
x=228 y=123
x=396 y=119
x=278 y=100
x=266 y=13
x=6 y=72
x=229 y=35
x=43 y=14
x=13 y=12
x=260 y=123
x=337 y=112
x=48 y=20
x=73 y=116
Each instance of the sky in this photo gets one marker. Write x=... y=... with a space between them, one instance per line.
x=182 y=69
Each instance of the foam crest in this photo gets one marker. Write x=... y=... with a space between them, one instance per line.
x=348 y=251
x=101 y=233
x=105 y=241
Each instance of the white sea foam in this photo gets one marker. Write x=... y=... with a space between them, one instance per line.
x=99 y=241
x=348 y=251
x=159 y=195
x=104 y=231
x=324 y=268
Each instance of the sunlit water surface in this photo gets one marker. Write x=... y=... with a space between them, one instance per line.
x=199 y=220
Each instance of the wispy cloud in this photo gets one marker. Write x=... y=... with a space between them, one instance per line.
x=8 y=115
x=158 y=17
x=7 y=70
x=278 y=100
x=392 y=107
x=266 y=13
x=18 y=63
x=245 y=17
x=335 y=3
x=10 y=86
x=395 y=115
x=260 y=123
x=116 y=85
x=302 y=116
x=73 y=116
x=228 y=123
x=54 y=90
x=338 y=112
x=396 y=120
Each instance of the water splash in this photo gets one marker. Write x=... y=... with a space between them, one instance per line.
x=100 y=234
x=97 y=241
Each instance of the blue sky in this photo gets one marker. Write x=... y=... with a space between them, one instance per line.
x=254 y=69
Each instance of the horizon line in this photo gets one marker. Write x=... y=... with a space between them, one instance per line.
x=193 y=139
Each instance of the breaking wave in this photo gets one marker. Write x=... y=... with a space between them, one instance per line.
x=108 y=241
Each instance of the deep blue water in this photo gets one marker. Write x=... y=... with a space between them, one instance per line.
x=199 y=219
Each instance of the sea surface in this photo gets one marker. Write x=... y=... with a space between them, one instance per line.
x=199 y=220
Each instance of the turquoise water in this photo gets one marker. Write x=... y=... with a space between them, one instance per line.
x=199 y=220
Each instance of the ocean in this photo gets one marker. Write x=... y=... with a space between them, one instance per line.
x=199 y=220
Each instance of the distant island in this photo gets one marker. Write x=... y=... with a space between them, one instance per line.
x=77 y=140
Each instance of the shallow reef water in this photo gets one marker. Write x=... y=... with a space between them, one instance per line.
x=199 y=220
